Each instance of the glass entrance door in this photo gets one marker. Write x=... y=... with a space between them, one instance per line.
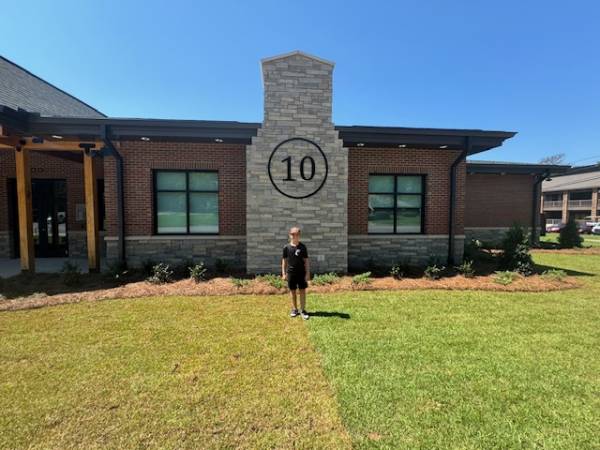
x=49 y=205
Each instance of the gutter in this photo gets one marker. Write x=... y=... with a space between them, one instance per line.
x=536 y=205
x=451 y=209
x=111 y=150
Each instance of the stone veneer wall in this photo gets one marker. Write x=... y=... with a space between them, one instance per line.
x=78 y=244
x=6 y=244
x=176 y=250
x=297 y=103
x=386 y=250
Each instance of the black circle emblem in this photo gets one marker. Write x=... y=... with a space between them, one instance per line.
x=298 y=167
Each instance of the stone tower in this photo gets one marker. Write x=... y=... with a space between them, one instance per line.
x=297 y=168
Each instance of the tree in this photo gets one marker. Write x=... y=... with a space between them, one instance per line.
x=569 y=236
x=556 y=159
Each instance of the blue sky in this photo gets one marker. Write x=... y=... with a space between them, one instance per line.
x=526 y=66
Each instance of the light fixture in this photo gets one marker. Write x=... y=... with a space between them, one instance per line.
x=443 y=146
x=219 y=140
x=144 y=138
x=401 y=145
x=360 y=144
x=56 y=136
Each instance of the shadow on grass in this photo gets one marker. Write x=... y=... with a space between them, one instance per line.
x=540 y=268
x=340 y=315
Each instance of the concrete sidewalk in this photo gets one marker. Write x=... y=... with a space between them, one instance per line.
x=11 y=267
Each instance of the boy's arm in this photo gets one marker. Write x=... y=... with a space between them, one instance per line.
x=306 y=269
x=283 y=267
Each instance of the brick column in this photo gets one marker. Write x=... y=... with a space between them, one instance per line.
x=565 y=207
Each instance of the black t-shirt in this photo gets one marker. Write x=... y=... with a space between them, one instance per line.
x=295 y=257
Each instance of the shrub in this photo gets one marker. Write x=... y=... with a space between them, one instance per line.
x=466 y=269
x=116 y=270
x=554 y=275
x=505 y=277
x=399 y=270
x=274 y=280
x=362 y=278
x=239 y=282
x=569 y=236
x=197 y=272
x=325 y=278
x=434 y=271
x=221 y=265
x=161 y=273
x=71 y=274
x=515 y=252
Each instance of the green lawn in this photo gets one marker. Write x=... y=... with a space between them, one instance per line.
x=589 y=240
x=412 y=369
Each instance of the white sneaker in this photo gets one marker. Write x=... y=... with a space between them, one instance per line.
x=304 y=314
x=294 y=313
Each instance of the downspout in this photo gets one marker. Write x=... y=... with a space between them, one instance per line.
x=535 y=213
x=453 y=167
x=111 y=150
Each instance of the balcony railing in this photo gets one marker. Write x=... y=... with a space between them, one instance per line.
x=553 y=204
x=580 y=203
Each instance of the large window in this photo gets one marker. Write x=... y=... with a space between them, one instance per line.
x=396 y=204
x=186 y=202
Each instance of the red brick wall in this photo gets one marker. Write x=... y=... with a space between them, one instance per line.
x=45 y=166
x=140 y=158
x=498 y=200
x=435 y=164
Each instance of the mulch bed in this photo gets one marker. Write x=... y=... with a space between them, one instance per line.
x=224 y=286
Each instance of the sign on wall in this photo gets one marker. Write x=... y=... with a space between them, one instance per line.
x=298 y=168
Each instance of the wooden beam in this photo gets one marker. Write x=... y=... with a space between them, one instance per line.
x=48 y=145
x=23 y=173
x=91 y=212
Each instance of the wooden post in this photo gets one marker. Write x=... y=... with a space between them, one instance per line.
x=595 y=204
x=23 y=173
x=565 y=207
x=91 y=212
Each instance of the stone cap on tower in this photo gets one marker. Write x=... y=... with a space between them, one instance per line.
x=299 y=53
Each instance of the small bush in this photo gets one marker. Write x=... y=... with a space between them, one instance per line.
x=325 y=278
x=116 y=270
x=515 y=252
x=161 y=273
x=362 y=278
x=554 y=275
x=239 y=282
x=399 y=270
x=569 y=236
x=274 y=280
x=434 y=271
x=505 y=277
x=71 y=274
x=466 y=269
x=221 y=265
x=197 y=272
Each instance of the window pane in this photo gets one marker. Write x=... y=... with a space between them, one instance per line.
x=408 y=221
x=381 y=201
x=381 y=183
x=204 y=213
x=408 y=201
x=170 y=181
x=170 y=212
x=381 y=221
x=409 y=184
x=204 y=181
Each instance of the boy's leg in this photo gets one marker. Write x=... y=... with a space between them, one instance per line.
x=302 y=299
x=293 y=298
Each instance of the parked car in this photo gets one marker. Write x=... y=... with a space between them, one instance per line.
x=554 y=227
x=586 y=227
x=596 y=229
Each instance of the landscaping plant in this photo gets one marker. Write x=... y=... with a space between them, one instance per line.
x=515 y=254
x=274 y=280
x=362 y=279
x=239 y=282
x=569 y=236
x=398 y=271
x=505 y=277
x=554 y=275
x=466 y=269
x=434 y=271
x=325 y=278
x=161 y=273
x=197 y=272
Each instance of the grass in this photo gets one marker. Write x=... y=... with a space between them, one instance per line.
x=589 y=240
x=372 y=369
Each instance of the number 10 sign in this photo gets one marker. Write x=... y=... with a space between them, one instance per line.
x=298 y=168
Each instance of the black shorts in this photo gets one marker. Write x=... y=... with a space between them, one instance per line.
x=296 y=281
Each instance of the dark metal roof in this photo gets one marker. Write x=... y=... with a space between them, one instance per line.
x=21 y=89
x=242 y=132
x=517 y=168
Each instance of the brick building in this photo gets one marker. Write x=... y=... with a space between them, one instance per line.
x=170 y=190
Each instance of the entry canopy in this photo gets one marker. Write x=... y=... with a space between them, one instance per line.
x=514 y=168
x=22 y=123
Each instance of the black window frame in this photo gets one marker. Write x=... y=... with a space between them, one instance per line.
x=187 y=192
x=395 y=208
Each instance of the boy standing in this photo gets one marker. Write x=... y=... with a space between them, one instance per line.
x=295 y=269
